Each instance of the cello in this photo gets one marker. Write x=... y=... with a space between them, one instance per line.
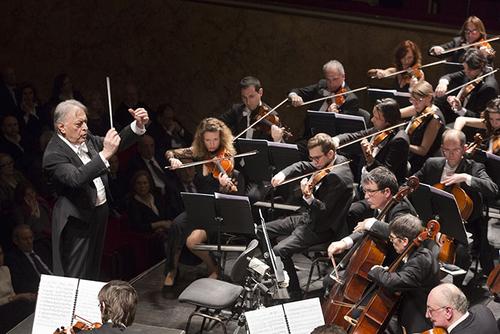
x=381 y=306
x=367 y=252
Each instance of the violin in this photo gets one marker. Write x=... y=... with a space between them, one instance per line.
x=266 y=120
x=436 y=330
x=478 y=140
x=418 y=121
x=222 y=165
x=378 y=139
x=314 y=180
x=80 y=325
x=495 y=145
x=412 y=72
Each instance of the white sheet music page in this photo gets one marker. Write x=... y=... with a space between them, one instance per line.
x=55 y=303
x=87 y=304
x=304 y=316
x=270 y=320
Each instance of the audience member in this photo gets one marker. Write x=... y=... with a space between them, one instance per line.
x=12 y=143
x=8 y=87
x=14 y=307
x=26 y=266
x=10 y=177
x=167 y=130
x=30 y=117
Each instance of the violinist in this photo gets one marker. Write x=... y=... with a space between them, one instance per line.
x=447 y=307
x=242 y=115
x=332 y=83
x=415 y=277
x=379 y=186
x=454 y=169
x=472 y=31
x=471 y=99
x=326 y=199
x=118 y=303
x=407 y=56
x=490 y=121
x=390 y=148
x=212 y=139
x=425 y=132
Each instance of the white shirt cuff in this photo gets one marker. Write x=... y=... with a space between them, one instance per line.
x=348 y=242
x=292 y=93
x=106 y=162
x=308 y=200
x=461 y=112
x=369 y=223
x=136 y=129
x=468 y=180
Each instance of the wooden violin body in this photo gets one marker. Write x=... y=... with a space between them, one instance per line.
x=266 y=122
x=223 y=165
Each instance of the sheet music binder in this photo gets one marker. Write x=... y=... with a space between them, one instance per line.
x=375 y=94
x=432 y=203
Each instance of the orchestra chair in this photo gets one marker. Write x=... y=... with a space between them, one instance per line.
x=317 y=254
x=211 y=296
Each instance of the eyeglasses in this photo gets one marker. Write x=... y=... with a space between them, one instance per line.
x=453 y=150
x=416 y=99
x=393 y=238
x=317 y=158
x=431 y=310
x=473 y=31
x=371 y=191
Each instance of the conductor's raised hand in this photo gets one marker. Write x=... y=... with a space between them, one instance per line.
x=140 y=115
x=111 y=143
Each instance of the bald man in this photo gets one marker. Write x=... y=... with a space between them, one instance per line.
x=447 y=308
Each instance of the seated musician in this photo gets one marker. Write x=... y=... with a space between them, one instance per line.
x=490 y=121
x=327 y=200
x=390 y=148
x=407 y=56
x=379 y=186
x=425 y=132
x=333 y=83
x=212 y=138
x=118 y=303
x=472 y=31
x=454 y=169
x=415 y=277
x=242 y=115
x=471 y=99
x=447 y=308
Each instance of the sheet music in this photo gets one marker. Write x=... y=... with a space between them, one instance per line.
x=270 y=320
x=285 y=145
x=277 y=206
x=304 y=316
x=55 y=302
x=87 y=302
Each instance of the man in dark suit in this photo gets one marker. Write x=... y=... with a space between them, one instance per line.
x=454 y=169
x=447 y=308
x=333 y=83
x=379 y=186
x=327 y=202
x=415 y=277
x=390 y=148
x=470 y=100
x=241 y=115
x=76 y=163
x=8 y=90
x=25 y=265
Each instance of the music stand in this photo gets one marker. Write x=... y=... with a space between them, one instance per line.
x=219 y=213
x=432 y=203
x=252 y=165
x=491 y=162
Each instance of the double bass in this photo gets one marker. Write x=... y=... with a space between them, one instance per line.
x=366 y=253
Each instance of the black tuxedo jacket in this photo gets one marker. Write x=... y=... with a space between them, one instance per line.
x=73 y=182
x=235 y=121
x=328 y=210
x=393 y=155
x=414 y=279
x=481 y=184
x=480 y=320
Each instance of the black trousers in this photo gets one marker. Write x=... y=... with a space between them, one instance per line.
x=82 y=243
x=298 y=238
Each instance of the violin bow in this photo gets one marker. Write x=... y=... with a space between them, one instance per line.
x=469 y=82
x=108 y=87
x=471 y=44
x=260 y=119
x=196 y=163
x=409 y=70
x=311 y=173
x=335 y=95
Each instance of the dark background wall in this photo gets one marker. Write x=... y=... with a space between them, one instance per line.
x=193 y=54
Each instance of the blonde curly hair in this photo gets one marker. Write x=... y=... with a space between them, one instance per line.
x=212 y=125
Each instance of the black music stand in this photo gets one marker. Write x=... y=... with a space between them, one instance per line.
x=336 y=124
x=432 y=203
x=491 y=162
x=219 y=213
